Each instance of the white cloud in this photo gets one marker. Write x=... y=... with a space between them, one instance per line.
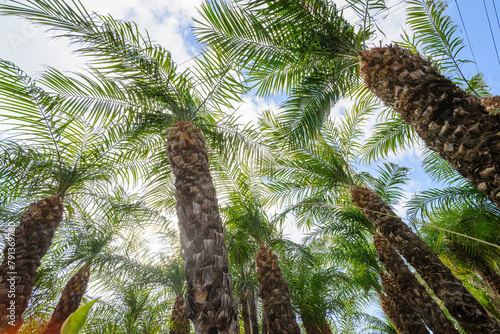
x=168 y=22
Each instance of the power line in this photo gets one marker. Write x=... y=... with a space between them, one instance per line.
x=467 y=36
x=491 y=31
x=496 y=13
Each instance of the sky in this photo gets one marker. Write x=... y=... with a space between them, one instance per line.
x=169 y=22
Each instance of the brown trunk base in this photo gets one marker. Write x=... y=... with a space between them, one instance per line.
x=24 y=249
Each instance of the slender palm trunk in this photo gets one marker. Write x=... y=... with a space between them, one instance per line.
x=249 y=313
x=209 y=298
x=433 y=317
x=70 y=300
x=449 y=120
x=471 y=315
x=409 y=320
x=490 y=276
x=275 y=294
x=24 y=249
x=179 y=320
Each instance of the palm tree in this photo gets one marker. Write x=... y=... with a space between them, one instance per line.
x=143 y=80
x=399 y=309
x=245 y=284
x=62 y=159
x=272 y=34
x=245 y=214
x=97 y=239
x=70 y=300
x=307 y=49
x=469 y=213
x=323 y=289
x=431 y=313
x=295 y=176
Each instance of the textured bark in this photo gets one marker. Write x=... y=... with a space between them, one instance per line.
x=70 y=300
x=391 y=312
x=209 y=298
x=490 y=103
x=409 y=320
x=449 y=120
x=249 y=313
x=490 y=277
x=314 y=329
x=275 y=294
x=471 y=315
x=179 y=320
x=433 y=317
x=22 y=256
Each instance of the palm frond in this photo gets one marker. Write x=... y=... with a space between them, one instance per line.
x=435 y=34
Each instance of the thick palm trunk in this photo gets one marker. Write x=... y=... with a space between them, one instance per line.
x=24 y=249
x=275 y=294
x=70 y=300
x=409 y=320
x=391 y=312
x=249 y=313
x=179 y=320
x=433 y=317
x=209 y=299
x=449 y=120
x=471 y=315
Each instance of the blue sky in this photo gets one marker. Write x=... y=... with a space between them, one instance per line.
x=475 y=23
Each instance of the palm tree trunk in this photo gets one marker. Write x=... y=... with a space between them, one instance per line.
x=209 y=298
x=471 y=315
x=449 y=120
x=409 y=320
x=70 y=299
x=433 y=317
x=490 y=277
x=275 y=294
x=24 y=249
x=391 y=312
x=314 y=329
x=249 y=313
x=178 y=319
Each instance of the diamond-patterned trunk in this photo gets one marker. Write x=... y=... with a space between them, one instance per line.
x=209 y=299
x=70 y=300
x=391 y=312
x=449 y=120
x=24 y=249
x=275 y=294
x=409 y=320
x=249 y=313
x=179 y=322
x=471 y=315
x=433 y=317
